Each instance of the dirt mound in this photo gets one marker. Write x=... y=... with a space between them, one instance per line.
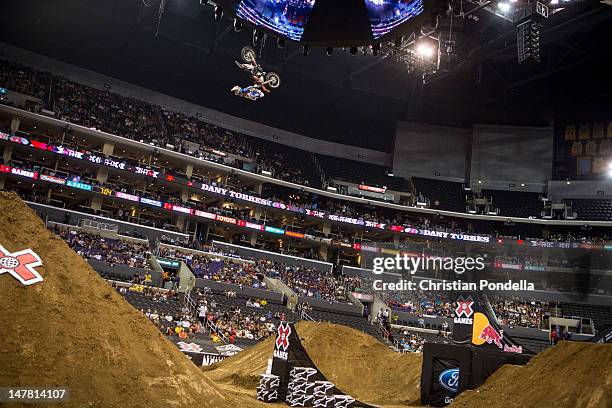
x=72 y=330
x=357 y=363
x=570 y=374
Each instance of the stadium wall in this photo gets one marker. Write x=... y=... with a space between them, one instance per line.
x=334 y=307
x=244 y=291
x=126 y=272
x=70 y=217
x=512 y=154
x=430 y=151
x=496 y=155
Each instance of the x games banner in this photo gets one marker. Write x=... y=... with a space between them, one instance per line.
x=475 y=324
x=289 y=353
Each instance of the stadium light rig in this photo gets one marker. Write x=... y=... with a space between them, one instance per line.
x=419 y=52
x=424 y=50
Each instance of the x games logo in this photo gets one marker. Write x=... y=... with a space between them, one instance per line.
x=464 y=311
x=282 y=337
x=20 y=265
x=282 y=341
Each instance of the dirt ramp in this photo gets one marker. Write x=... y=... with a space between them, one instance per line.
x=571 y=374
x=356 y=362
x=72 y=330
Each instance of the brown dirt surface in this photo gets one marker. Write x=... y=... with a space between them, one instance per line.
x=73 y=330
x=356 y=362
x=571 y=374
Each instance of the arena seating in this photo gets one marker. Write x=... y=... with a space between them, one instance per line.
x=449 y=195
x=209 y=266
x=530 y=342
x=359 y=172
x=413 y=340
x=170 y=307
x=286 y=162
x=112 y=251
x=356 y=322
x=594 y=210
x=516 y=203
x=24 y=80
x=601 y=315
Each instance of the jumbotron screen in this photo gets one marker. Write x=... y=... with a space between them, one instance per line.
x=286 y=17
x=386 y=15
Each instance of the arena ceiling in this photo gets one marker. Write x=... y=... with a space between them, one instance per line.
x=343 y=98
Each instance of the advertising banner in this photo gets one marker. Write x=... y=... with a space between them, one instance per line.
x=288 y=354
x=475 y=324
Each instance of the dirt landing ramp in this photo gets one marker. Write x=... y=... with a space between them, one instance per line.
x=357 y=363
x=72 y=330
x=571 y=374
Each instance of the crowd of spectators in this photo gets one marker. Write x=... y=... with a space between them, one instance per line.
x=22 y=79
x=510 y=310
x=304 y=201
x=236 y=323
x=139 y=120
x=208 y=320
x=304 y=281
x=112 y=251
x=515 y=311
x=104 y=110
x=216 y=268
x=410 y=342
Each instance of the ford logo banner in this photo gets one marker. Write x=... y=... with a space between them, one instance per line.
x=449 y=379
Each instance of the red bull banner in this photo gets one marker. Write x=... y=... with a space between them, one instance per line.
x=480 y=346
x=475 y=324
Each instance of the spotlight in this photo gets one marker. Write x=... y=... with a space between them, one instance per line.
x=218 y=13
x=280 y=43
x=424 y=50
x=329 y=51
x=375 y=48
x=237 y=25
x=305 y=50
x=353 y=50
x=504 y=7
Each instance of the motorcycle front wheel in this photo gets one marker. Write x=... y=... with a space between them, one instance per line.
x=248 y=54
x=273 y=79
